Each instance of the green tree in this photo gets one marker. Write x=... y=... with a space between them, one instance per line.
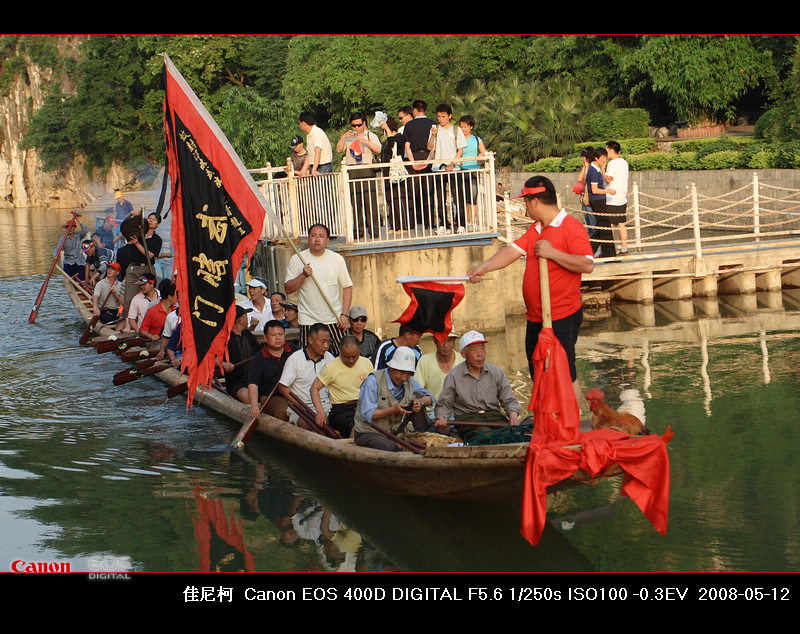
x=701 y=76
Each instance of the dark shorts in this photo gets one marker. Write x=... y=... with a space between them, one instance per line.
x=565 y=330
x=618 y=215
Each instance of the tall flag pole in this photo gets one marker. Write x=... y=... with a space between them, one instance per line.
x=219 y=213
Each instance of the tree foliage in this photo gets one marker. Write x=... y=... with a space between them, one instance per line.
x=531 y=94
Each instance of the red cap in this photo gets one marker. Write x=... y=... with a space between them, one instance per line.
x=529 y=191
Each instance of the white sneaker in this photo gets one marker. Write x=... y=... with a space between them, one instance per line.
x=440 y=230
x=462 y=230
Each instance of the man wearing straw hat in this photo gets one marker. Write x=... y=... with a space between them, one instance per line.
x=564 y=243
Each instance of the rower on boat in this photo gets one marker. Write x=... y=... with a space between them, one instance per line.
x=303 y=367
x=265 y=371
x=475 y=391
x=242 y=345
x=389 y=399
x=343 y=377
x=108 y=296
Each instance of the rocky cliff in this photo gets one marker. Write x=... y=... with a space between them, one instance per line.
x=23 y=182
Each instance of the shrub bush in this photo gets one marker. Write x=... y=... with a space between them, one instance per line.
x=725 y=159
x=655 y=161
x=550 y=164
x=621 y=123
x=788 y=155
x=684 y=161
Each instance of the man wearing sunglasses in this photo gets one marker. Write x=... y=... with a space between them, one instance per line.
x=360 y=146
x=367 y=340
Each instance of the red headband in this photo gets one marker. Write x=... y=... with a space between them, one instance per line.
x=529 y=191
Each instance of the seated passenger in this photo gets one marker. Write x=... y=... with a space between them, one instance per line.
x=242 y=345
x=367 y=340
x=387 y=396
x=406 y=337
x=97 y=259
x=304 y=366
x=108 y=295
x=147 y=297
x=433 y=367
x=343 y=377
x=153 y=322
x=475 y=391
x=265 y=371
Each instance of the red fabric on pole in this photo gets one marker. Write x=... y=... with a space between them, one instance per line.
x=555 y=411
x=430 y=307
x=644 y=460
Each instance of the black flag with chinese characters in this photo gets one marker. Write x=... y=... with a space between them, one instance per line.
x=219 y=213
x=432 y=301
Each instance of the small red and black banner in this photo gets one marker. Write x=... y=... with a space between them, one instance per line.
x=432 y=301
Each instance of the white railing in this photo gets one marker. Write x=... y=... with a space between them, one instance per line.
x=751 y=214
x=370 y=206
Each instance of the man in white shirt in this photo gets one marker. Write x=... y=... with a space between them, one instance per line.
x=616 y=204
x=318 y=147
x=260 y=305
x=303 y=367
x=448 y=142
x=145 y=299
x=329 y=270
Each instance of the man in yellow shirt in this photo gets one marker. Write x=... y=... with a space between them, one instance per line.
x=434 y=366
x=343 y=377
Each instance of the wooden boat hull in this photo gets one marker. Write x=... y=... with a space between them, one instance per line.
x=478 y=474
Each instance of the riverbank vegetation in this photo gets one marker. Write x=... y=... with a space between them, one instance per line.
x=535 y=98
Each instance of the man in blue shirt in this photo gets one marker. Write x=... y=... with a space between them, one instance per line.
x=387 y=396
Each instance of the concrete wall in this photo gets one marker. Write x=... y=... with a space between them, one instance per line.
x=484 y=307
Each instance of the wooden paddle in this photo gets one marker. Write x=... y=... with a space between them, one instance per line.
x=246 y=431
x=120 y=344
x=132 y=374
x=399 y=441
x=40 y=297
x=308 y=413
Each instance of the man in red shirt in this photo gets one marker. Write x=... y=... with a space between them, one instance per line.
x=564 y=242
x=153 y=322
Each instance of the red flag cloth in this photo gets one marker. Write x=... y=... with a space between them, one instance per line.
x=430 y=307
x=219 y=215
x=644 y=460
x=556 y=413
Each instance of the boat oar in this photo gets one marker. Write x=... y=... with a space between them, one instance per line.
x=478 y=423
x=132 y=374
x=137 y=354
x=240 y=440
x=310 y=425
x=309 y=414
x=399 y=441
x=120 y=344
x=40 y=297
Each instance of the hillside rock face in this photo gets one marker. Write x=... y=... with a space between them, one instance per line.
x=23 y=182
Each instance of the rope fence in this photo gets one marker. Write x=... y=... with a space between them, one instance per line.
x=748 y=214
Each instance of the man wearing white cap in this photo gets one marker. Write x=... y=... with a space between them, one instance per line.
x=261 y=307
x=475 y=391
x=386 y=397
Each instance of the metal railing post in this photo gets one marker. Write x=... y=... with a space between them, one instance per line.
x=637 y=219
x=698 y=249
x=346 y=206
x=294 y=205
x=756 y=210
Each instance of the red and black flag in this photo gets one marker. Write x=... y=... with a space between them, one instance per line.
x=432 y=301
x=219 y=213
